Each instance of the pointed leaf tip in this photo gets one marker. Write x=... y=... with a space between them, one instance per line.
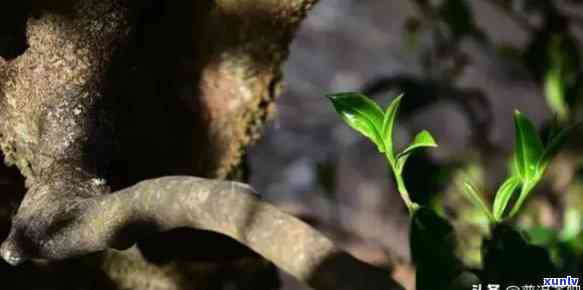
x=388 y=126
x=422 y=140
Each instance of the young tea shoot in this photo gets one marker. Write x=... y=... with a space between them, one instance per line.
x=365 y=116
x=529 y=163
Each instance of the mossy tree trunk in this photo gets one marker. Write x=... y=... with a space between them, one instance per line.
x=112 y=92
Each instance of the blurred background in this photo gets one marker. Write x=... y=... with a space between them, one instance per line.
x=464 y=67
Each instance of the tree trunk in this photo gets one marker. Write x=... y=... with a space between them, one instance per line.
x=113 y=92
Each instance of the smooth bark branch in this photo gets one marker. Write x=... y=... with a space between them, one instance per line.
x=231 y=208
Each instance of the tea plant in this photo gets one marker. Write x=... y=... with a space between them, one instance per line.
x=529 y=163
x=508 y=258
x=366 y=117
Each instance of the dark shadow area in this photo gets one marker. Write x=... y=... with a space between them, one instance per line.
x=160 y=124
x=13 y=16
x=344 y=268
x=188 y=244
x=211 y=260
x=433 y=245
x=12 y=191
x=509 y=259
x=427 y=187
x=73 y=274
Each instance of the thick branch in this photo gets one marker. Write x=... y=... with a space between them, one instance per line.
x=231 y=208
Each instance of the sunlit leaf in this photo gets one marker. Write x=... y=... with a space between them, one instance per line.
x=422 y=140
x=530 y=180
x=514 y=170
x=473 y=195
x=389 y=124
x=528 y=147
x=503 y=196
x=360 y=113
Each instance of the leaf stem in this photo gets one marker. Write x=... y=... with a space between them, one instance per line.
x=401 y=188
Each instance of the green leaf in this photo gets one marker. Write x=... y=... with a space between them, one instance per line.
x=552 y=148
x=543 y=161
x=514 y=170
x=422 y=140
x=389 y=125
x=472 y=194
x=360 y=113
x=503 y=196
x=528 y=147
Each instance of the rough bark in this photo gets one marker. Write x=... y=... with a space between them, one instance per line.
x=102 y=98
